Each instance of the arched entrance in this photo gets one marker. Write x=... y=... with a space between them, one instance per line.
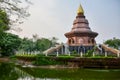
x=81 y=49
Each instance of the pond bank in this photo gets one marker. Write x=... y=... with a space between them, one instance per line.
x=113 y=63
x=4 y=59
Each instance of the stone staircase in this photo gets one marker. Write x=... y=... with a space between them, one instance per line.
x=52 y=49
x=106 y=48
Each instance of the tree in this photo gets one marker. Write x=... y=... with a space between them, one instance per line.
x=11 y=12
x=14 y=10
x=35 y=37
x=54 y=41
x=27 y=45
x=115 y=43
x=4 y=21
x=43 y=44
x=9 y=43
x=38 y=45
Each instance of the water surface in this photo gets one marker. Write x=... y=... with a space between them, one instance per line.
x=9 y=71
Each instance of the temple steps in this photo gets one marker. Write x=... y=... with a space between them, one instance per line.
x=52 y=49
x=103 y=47
x=112 y=50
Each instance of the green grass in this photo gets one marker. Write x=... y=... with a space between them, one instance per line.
x=65 y=56
x=26 y=55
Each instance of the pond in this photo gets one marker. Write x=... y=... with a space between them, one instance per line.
x=9 y=71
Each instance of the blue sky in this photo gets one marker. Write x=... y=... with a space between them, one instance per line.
x=53 y=18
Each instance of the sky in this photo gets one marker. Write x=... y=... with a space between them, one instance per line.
x=53 y=18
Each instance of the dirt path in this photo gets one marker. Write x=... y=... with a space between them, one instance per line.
x=5 y=59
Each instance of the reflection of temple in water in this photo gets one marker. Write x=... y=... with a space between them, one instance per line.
x=81 y=38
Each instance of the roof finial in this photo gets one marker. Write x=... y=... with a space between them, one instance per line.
x=80 y=10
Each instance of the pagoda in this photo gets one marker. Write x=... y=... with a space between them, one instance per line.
x=81 y=38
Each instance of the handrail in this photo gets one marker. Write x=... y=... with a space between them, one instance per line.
x=52 y=49
x=110 y=49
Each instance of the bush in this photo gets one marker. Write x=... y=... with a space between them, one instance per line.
x=89 y=53
x=66 y=57
x=45 y=60
x=74 y=52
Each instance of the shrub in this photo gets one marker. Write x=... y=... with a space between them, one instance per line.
x=45 y=60
x=74 y=52
x=89 y=53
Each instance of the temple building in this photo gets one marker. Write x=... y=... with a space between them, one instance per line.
x=81 y=38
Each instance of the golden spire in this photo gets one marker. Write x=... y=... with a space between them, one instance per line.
x=80 y=10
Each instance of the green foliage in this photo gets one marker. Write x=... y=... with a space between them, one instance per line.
x=27 y=45
x=43 y=44
x=45 y=60
x=90 y=52
x=9 y=43
x=115 y=43
x=66 y=57
x=74 y=52
x=13 y=8
x=7 y=71
x=13 y=58
x=4 y=21
x=54 y=41
x=25 y=55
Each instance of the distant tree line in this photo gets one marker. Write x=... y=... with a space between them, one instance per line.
x=41 y=44
x=10 y=43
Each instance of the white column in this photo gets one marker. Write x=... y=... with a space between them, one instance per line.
x=66 y=50
x=46 y=54
x=23 y=53
x=81 y=54
x=93 y=54
x=69 y=53
x=106 y=54
x=118 y=54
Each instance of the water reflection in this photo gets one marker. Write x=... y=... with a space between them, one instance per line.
x=12 y=72
x=7 y=72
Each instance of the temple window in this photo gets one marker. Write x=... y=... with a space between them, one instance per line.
x=71 y=41
x=92 y=40
x=88 y=41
